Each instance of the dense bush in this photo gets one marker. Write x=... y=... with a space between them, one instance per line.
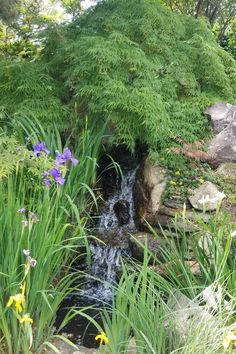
x=147 y=69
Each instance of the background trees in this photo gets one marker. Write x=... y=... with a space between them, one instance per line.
x=221 y=15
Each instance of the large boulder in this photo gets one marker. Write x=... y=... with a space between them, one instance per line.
x=222 y=147
x=150 y=186
x=221 y=115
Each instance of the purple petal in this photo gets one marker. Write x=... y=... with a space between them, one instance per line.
x=32 y=261
x=47 y=152
x=47 y=182
x=21 y=211
x=55 y=173
x=74 y=161
x=60 y=180
x=39 y=148
x=67 y=154
x=60 y=159
x=45 y=174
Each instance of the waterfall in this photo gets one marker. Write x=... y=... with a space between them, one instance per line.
x=105 y=262
x=108 y=219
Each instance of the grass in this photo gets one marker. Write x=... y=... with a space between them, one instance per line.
x=52 y=234
x=143 y=309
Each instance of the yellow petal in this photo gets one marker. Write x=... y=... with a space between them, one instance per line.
x=23 y=286
x=26 y=319
x=10 y=301
x=226 y=343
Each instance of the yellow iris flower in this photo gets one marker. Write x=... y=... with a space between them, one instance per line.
x=18 y=299
x=102 y=337
x=26 y=319
x=229 y=339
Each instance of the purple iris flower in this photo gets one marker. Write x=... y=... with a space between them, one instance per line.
x=39 y=148
x=61 y=159
x=21 y=210
x=45 y=174
x=47 y=182
x=56 y=175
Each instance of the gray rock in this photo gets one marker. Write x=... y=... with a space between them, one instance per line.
x=206 y=197
x=221 y=114
x=138 y=241
x=222 y=147
x=186 y=314
x=65 y=348
x=122 y=211
x=227 y=170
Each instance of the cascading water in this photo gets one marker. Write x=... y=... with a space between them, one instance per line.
x=108 y=219
x=102 y=274
x=105 y=260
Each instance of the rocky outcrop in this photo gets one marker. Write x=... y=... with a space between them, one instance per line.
x=150 y=186
x=206 y=197
x=222 y=147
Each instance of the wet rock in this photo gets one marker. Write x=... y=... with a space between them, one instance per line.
x=222 y=147
x=150 y=185
x=122 y=211
x=113 y=238
x=206 y=197
x=140 y=239
x=177 y=226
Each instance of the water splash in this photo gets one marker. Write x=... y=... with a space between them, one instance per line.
x=108 y=219
x=105 y=263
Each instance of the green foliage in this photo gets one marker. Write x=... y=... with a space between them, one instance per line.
x=15 y=157
x=27 y=91
x=142 y=307
x=151 y=71
x=21 y=25
x=53 y=237
x=72 y=7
